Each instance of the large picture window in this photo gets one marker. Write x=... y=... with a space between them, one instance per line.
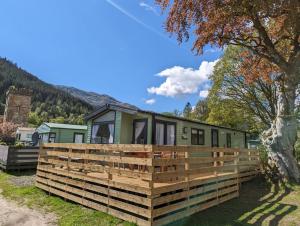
x=103 y=133
x=165 y=133
x=197 y=137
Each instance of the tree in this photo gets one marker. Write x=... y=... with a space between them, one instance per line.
x=235 y=102
x=59 y=119
x=34 y=119
x=175 y=113
x=201 y=110
x=187 y=111
x=270 y=31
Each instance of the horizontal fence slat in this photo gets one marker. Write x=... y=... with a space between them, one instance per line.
x=145 y=184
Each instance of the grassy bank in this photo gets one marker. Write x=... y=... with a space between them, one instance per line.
x=68 y=213
x=260 y=203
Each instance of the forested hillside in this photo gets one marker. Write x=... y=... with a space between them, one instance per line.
x=48 y=103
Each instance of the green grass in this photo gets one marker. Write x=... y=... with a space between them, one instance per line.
x=68 y=213
x=260 y=203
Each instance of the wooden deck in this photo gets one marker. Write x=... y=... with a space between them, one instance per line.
x=145 y=184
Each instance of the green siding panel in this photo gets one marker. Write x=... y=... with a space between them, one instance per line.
x=118 y=121
x=89 y=131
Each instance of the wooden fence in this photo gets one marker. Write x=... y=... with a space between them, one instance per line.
x=145 y=184
x=16 y=158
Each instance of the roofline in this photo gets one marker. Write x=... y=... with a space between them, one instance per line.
x=190 y=120
x=110 y=107
x=47 y=124
x=126 y=109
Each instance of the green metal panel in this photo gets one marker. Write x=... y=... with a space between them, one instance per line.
x=117 y=131
x=126 y=129
x=89 y=131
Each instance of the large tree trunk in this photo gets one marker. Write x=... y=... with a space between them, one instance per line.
x=280 y=139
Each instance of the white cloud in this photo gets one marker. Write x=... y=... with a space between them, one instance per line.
x=148 y=7
x=203 y=93
x=150 y=101
x=180 y=81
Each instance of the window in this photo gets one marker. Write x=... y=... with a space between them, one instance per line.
x=170 y=134
x=165 y=133
x=18 y=137
x=103 y=133
x=214 y=138
x=52 y=137
x=159 y=131
x=78 y=138
x=228 y=140
x=28 y=136
x=45 y=138
x=197 y=137
x=140 y=131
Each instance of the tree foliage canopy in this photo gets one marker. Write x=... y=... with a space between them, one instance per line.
x=234 y=102
x=270 y=29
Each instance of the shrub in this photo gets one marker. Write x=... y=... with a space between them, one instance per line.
x=8 y=132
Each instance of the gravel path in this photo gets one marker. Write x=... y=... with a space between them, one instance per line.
x=13 y=215
x=21 y=181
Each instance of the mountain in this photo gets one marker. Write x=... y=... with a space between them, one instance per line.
x=94 y=99
x=49 y=103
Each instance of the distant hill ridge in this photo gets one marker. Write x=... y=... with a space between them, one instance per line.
x=49 y=102
x=94 y=99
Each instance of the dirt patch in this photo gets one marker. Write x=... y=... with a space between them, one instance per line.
x=13 y=215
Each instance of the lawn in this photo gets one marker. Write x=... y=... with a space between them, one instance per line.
x=260 y=203
x=68 y=213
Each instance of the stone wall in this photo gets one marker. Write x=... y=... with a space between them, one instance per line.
x=18 y=106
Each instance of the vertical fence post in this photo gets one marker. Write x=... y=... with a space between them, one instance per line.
x=69 y=159
x=237 y=169
x=215 y=156
x=85 y=161
x=187 y=175
x=151 y=170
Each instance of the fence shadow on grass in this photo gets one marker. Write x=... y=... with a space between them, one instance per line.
x=20 y=173
x=259 y=201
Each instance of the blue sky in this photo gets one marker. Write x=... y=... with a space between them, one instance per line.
x=114 y=47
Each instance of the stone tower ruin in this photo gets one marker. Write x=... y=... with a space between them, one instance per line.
x=18 y=105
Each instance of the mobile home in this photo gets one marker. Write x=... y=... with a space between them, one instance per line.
x=24 y=135
x=114 y=124
x=62 y=133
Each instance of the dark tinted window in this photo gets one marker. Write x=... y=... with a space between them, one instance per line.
x=197 y=137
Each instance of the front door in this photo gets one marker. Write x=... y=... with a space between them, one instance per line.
x=140 y=131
